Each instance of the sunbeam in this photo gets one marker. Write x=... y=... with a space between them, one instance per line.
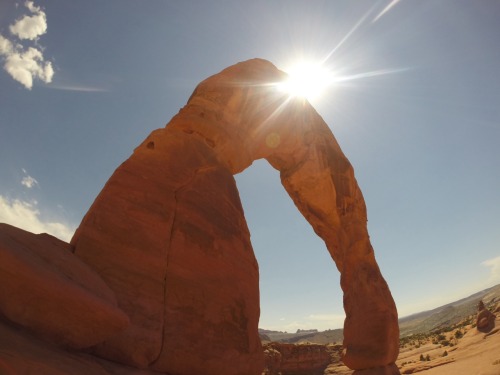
x=386 y=9
x=348 y=35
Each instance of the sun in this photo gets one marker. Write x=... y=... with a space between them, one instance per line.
x=307 y=80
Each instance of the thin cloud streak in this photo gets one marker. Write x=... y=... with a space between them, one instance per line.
x=78 y=88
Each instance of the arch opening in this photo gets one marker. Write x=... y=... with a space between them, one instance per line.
x=299 y=284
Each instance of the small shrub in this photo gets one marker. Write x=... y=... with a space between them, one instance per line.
x=428 y=357
x=445 y=354
x=445 y=343
x=458 y=334
x=422 y=357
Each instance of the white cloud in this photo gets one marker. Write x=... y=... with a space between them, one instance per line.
x=25 y=64
x=30 y=27
x=494 y=266
x=25 y=215
x=6 y=46
x=29 y=181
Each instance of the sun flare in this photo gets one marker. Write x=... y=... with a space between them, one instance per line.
x=307 y=80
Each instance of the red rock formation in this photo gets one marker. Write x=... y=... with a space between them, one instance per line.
x=45 y=288
x=485 y=320
x=291 y=359
x=167 y=233
x=23 y=354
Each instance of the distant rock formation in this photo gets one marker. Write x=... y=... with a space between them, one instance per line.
x=291 y=359
x=485 y=320
x=165 y=277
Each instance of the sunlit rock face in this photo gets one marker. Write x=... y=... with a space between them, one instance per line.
x=167 y=232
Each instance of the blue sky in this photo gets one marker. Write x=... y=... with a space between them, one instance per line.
x=417 y=113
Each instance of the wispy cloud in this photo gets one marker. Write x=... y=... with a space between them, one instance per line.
x=26 y=63
x=25 y=215
x=28 y=181
x=494 y=266
x=79 y=88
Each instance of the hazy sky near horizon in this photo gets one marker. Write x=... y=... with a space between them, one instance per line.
x=417 y=114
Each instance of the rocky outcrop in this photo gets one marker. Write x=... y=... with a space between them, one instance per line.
x=48 y=290
x=485 y=320
x=291 y=359
x=167 y=233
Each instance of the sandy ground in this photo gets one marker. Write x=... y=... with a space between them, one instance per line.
x=476 y=353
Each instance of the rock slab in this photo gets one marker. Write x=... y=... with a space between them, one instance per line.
x=48 y=290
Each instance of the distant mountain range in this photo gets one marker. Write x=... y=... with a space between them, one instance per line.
x=421 y=322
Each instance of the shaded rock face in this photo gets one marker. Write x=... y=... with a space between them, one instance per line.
x=23 y=354
x=485 y=320
x=167 y=233
x=46 y=289
x=291 y=359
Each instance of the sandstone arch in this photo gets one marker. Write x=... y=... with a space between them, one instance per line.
x=168 y=233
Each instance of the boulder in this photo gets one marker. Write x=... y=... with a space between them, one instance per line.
x=485 y=320
x=48 y=290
